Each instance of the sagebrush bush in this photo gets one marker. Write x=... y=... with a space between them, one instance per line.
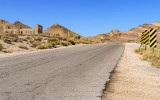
x=53 y=44
x=5 y=36
x=36 y=43
x=44 y=46
x=139 y=50
x=148 y=55
x=52 y=40
x=1 y=47
x=64 y=43
x=38 y=38
x=8 y=51
x=7 y=41
x=73 y=42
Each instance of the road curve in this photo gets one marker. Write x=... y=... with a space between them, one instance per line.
x=76 y=73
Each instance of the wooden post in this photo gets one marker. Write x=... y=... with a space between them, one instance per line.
x=145 y=47
x=141 y=45
x=153 y=50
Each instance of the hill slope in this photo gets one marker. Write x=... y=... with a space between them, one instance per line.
x=18 y=24
x=62 y=31
x=133 y=34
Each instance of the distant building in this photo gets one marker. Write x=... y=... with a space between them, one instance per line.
x=25 y=31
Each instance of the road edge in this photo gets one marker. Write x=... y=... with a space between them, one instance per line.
x=111 y=74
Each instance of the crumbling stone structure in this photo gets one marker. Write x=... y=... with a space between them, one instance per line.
x=24 y=31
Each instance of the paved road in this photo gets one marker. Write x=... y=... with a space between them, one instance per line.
x=76 y=73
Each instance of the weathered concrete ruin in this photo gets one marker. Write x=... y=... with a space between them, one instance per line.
x=24 y=31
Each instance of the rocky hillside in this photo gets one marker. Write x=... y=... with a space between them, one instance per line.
x=133 y=34
x=57 y=29
x=18 y=24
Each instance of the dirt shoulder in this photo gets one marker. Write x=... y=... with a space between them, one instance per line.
x=3 y=55
x=133 y=79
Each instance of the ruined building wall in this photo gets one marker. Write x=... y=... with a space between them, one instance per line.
x=25 y=31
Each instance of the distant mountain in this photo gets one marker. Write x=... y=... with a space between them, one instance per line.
x=133 y=34
x=60 y=30
x=18 y=24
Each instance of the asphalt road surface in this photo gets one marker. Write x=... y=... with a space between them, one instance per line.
x=74 y=73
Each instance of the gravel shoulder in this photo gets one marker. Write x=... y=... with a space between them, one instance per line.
x=133 y=79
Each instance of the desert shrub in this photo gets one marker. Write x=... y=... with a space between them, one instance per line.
x=64 y=43
x=77 y=42
x=53 y=44
x=148 y=55
x=38 y=38
x=23 y=47
x=35 y=43
x=44 y=46
x=72 y=42
x=7 y=41
x=24 y=39
x=31 y=41
x=5 y=36
x=1 y=46
x=15 y=39
x=8 y=51
x=13 y=35
x=52 y=40
x=139 y=50
x=28 y=38
x=58 y=42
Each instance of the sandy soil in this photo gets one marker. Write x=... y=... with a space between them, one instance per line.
x=133 y=79
x=33 y=50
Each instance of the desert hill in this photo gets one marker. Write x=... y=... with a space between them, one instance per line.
x=18 y=24
x=60 y=30
x=133 y=34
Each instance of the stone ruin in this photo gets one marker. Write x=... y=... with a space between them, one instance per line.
x=24 y=31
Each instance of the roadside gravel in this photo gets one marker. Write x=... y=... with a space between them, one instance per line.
x=133 y=79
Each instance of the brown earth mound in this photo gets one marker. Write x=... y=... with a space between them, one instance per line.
x=18 y=24
x=133 y=34
x=57 y=29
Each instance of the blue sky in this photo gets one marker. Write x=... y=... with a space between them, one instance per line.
x=85 y=17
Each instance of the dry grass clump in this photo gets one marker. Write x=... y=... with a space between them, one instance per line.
x=1 y=47
x=23 y=47
x=8 y=51
x=64 y=43
x=148 y=55
x=44 y=46
x=38 y=38
x=73 y=42
x=139 y=50
x=50 y=40
x=6 y=38
x=35 y=43
x=9 y=38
